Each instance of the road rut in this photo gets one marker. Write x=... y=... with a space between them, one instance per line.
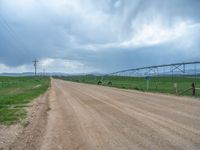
x=92 y=117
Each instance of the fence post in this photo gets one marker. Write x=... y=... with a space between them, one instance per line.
x=193 y=89
x=175 y=88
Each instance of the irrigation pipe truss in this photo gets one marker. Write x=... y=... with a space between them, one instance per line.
x=188 y=68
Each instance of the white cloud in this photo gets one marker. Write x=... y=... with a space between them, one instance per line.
x=50 y=65
x=189 y=41
x=21 y=68
x=152 y=33
x=46 y=62
x=64 y=65
x=118 y=3
x=155 y=32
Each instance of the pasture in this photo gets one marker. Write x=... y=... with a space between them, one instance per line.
x=155 y=84
x=16 y=93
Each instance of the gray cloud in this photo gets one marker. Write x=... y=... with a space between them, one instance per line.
x=104 y=36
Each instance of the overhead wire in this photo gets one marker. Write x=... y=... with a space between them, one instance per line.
x=18 y=44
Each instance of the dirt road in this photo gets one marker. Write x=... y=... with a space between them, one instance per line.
x=93 y=117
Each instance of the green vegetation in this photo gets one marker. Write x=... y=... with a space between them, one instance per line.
x=15 y=93
x=156 y=84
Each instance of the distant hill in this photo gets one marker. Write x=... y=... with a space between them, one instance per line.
x=32 y=74
x=17 y=74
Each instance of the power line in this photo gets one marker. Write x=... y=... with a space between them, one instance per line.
x=12 y=33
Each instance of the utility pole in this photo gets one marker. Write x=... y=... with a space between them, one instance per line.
x=43 y=72
x=35 y=65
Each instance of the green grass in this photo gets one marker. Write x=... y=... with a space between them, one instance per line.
x=156 y=84
x=15 y=93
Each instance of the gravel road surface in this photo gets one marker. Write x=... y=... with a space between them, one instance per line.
x=90 y=117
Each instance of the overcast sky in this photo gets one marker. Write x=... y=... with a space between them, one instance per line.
x=79 y=36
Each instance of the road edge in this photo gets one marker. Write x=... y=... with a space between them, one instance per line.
x=31 y=136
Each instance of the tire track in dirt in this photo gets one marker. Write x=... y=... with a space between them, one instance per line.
x=94 y=117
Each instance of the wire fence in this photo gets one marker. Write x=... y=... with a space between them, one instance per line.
x=179 y=78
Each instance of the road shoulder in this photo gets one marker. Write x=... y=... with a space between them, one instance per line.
x=29 y=134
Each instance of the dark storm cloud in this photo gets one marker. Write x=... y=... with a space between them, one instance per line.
x=100 y=35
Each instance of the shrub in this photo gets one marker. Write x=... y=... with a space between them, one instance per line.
x=99 y=82
x=109 y=83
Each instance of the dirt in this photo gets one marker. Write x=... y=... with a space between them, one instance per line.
x=8 y=135
x=90 y=117
x=95 y=117
x=28 y=134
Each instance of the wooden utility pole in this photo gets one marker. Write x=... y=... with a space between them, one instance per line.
x=44 y=72
x=35 y=65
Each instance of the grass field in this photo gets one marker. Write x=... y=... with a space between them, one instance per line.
x=15 y=93
x=156 y=84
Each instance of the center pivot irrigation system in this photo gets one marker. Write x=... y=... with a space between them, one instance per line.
x=179 y=73
x=177 y=69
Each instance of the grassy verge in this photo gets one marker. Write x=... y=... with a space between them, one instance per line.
x=156 y=84
x=15 y=93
